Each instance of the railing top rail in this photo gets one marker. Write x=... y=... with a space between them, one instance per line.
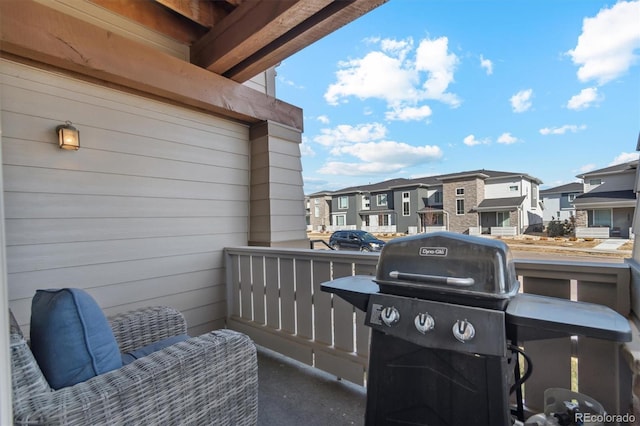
x=328 y=255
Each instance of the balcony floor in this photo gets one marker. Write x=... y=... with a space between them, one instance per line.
x=291 y=393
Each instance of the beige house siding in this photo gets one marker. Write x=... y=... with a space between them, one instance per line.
x=138 y=216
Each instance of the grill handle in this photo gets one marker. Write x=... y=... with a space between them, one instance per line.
x=458 y=282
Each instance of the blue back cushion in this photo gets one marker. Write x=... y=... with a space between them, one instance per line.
x=70 y=337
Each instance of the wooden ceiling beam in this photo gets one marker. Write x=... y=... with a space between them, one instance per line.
x=202 y=12
x=331 y=18
x=155 y=16
x=251 y=27
x=33 y=31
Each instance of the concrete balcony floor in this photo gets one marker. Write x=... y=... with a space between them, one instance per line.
x=292 y=393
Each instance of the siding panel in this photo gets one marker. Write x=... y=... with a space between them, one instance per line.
x=138 y=216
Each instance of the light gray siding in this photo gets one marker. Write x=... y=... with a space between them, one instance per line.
x=138 y=216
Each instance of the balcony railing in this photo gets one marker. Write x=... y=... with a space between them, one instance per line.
x=274 y=296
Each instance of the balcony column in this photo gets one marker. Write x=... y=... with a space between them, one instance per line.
x=276 y=211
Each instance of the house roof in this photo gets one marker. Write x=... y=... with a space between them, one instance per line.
x=432 y=180
x=495 y=204
x=374 y=187
x=615 y=169
x=487 y=174
x=432 y=209
x=569 y=187
x=606 y=199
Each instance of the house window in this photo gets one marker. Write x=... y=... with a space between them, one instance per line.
x=502 y=219
x=534 y=197
x=437 y=197
x=514 y=188
x=366 y=220
x=382 y=199
x=343 y=202
x=459 y=206
x=366 y=202
x=340 y=220
x=406 y=204
x=316 y=201
x=601 y=217
x=383 y=220
x=316 y=211
x=593 y=182
x=459 y=191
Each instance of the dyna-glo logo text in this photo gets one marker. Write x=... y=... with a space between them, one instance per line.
x=433 y=251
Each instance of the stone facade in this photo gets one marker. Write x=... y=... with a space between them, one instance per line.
x=473 y=189
x=582 y=219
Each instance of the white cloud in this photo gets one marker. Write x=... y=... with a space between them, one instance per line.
x=433 y=57
x=587 y=168
x=624 y=157
x=472 y=141
x=306 y=150
x=409 y=113
x=562 y=129
x=377 y=75
x=380 y=157
x=507 y=139
x=486 y=64
x=585 y=99
x=323 y=119
x=288 y=82
x=399 y=74
x=606 y=48
x=521 y=101
x=392 y=152
x=345 y=134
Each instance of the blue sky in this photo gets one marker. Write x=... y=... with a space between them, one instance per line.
x=417 y=88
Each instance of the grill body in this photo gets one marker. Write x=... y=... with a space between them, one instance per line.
x=443 y=309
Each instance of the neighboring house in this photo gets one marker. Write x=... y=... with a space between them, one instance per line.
x=608 y=203
x=484 y=201
x=479 y=201
x=558 y=201
x=318 y=211
x=369 y=207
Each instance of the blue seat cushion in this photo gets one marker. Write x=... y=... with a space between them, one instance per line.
x=129 y=357
x=71 y=338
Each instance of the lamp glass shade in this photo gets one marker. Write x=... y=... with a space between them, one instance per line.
x=68 y=137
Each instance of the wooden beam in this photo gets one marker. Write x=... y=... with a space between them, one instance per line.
x=33 y=31
x=199 y=11
x=248 y=29
x=155 y=16
x=331 y=18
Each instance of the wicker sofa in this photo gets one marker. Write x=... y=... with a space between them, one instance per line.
x=207 y=380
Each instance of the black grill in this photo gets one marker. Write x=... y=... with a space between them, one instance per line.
x=446 y=316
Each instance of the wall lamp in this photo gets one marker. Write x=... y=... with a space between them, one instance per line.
x=68 y=136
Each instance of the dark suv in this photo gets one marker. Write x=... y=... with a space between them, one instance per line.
x=355 y=240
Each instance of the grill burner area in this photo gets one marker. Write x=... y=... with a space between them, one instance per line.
x=446 y=318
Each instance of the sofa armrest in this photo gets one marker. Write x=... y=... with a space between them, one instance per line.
x=138 y=328
x=210 y=379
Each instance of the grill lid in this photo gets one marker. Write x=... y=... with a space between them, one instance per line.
x=469 y=269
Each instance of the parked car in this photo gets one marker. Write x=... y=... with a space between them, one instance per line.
x=355 y=240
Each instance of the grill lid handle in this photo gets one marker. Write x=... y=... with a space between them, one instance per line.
x=459 y=282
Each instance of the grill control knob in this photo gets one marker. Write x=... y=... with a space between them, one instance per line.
x=390 y=315
x=424 y=322
x=463 y=330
